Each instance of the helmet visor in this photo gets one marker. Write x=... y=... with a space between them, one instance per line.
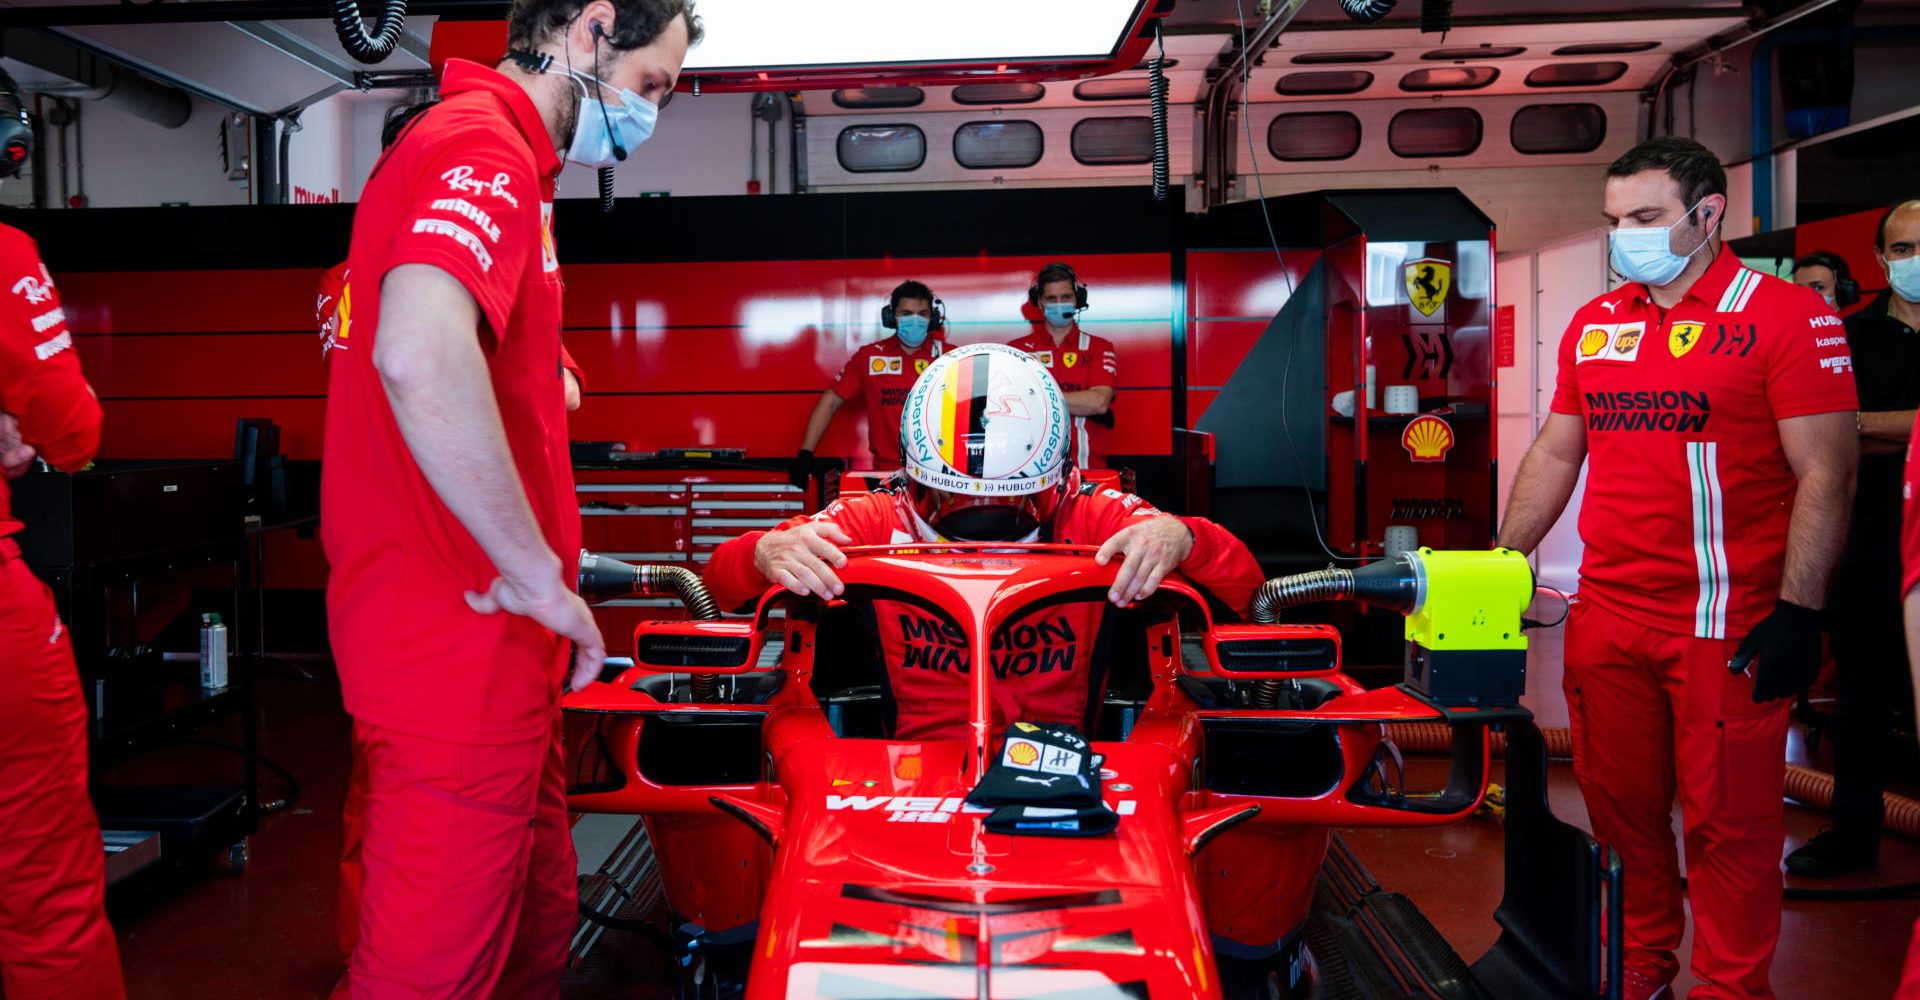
x=963 y=518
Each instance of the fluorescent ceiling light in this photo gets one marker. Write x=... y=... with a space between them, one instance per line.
x=769 y=34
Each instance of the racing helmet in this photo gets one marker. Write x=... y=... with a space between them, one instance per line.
x=983 y=436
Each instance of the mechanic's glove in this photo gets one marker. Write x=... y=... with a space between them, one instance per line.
x=801 y=472
x=1783 y=652
x=1104 y=419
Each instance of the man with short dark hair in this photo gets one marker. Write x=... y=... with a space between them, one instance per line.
x=1864 y=604
x=882 y=372
x=448 y=506
x=1714 y=408
x=1827 y=274
x=1086 y=366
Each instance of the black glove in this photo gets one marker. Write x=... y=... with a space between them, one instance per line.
x=800 y=473
x=1783 y=651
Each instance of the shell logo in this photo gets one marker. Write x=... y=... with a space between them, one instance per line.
x=1593 y=341
x=877 y=366
x=908 y=768
x=1022 y=753
x=1428 y=439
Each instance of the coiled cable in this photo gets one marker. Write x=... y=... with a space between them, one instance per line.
x=1157 y=96
x=377 y=45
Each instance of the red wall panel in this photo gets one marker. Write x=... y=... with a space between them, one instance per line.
x=190 y=366
x=1243 y=283
x=189 y=301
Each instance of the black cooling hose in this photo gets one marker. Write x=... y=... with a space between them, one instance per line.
x=1301 y=588
x=1157 y=94
x=369 y=47
x=1367 y=11
x=606 y=190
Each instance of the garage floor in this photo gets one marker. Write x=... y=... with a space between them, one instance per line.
x=270 y=931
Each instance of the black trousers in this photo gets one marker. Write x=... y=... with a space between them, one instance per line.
x=1870 y=660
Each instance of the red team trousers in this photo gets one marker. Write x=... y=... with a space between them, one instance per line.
x=469 y=868
x=1655 y=714
x=54 y=936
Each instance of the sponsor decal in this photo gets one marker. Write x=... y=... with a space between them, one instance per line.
x=1428 y=280
x=1611 y=342
x=34 y=290
x=920 y=366
x=1030 y=647
x=1023 y=754
x=1429 y=354
x=1061 y=761
x=459 y=234
x=1735 y=338
x=1829 y=341
x=1671 y=410
x=1610 y=306
x=1828 y=320
x=1682 y=337
x=1427 y=439
x=1842 y=365
x=48 y=320
x=48 y=349
x=1044 y=357
x=473 y=213
x=1070 y=358
x=461 y=180
x=893 y=397
x=908 y=768
x=549 y=251
x=878 y=365
x=932 y=809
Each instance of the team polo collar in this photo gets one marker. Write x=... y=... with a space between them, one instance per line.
x=1724 y=286
x=462 y=75
x=1073 y=337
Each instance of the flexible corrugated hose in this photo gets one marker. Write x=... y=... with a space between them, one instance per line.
x=1157 y=98
x=375 y=46
x=1367 y=11
x=674 y=581
x=1330 y=584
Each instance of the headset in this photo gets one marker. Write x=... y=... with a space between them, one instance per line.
x=16 y=129
x=1846 y=291
x=1057 y=271
x=892 y=322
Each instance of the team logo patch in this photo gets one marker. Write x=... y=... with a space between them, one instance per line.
x=1428 y=280
x=1593 y=341
x=885 y=366
x=1610 y=342
x=1023 y=754
x=1626 y=343
x=1682 y=338
x=1044 y=357
x=1427 y=439
x=920 y=366
x=1070 y=358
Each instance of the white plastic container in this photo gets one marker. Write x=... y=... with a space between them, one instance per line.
x=1403 y=398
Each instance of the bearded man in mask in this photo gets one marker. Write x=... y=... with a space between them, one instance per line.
x=1714 y=408
x=881 y=373
x=984 y=435
x=448 y=506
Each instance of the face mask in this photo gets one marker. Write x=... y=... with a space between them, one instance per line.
x=1059 y=313
x=1831 y=304
x=912 y=330
x=1904 y=276
x=599 y=124
x=1646 y=255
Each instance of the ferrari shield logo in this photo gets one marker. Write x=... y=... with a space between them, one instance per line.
x=1428 y=280
x=1070 y=359
x=1682 y=337
x=919 y=366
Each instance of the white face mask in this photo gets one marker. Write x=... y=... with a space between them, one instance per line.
x=1646 y=254
x=1903 y=276
x=603 y=134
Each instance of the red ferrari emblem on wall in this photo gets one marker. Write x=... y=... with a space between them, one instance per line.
x=1427 y=439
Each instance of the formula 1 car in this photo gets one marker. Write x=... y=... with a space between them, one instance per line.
x=805 y=853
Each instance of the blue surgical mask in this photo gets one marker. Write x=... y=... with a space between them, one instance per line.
x=1646 y=255
x=1059 y=313
x=1904 y=276
x=599 y=123
x=1831 y=303
x=912 y=330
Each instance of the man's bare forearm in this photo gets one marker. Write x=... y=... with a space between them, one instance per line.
x=1822 y=508
x=818 y=420
x=1090 y=402
x=1541 y=490
x=1886 y=425
x=436 y=379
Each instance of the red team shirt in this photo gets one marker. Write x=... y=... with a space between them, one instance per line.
x=1688 y=490
x=1043 y=664
x=1080 y=362
x=468 y=189
x=882 y=372
x=40 y=379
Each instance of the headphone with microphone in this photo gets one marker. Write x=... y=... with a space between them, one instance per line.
x=1053 y=272
x=16 y=129
x=890 y=320
x=619 y=151
x=1846 y=291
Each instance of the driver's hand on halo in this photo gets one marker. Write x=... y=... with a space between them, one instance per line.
x=803 y=558
x=1153 y=548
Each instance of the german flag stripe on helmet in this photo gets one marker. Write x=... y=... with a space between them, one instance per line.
x=963 y=409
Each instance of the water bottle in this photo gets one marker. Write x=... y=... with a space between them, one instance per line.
x=213 y=653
